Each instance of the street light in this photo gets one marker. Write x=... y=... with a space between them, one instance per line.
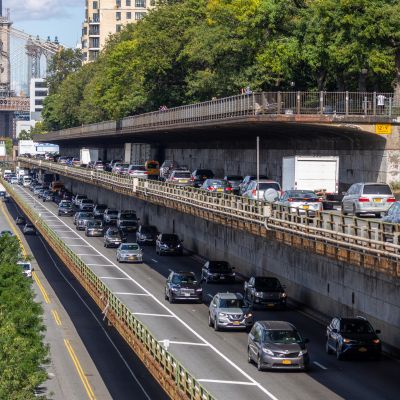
x=258 y=165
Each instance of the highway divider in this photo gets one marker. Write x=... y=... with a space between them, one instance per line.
x=175 y=379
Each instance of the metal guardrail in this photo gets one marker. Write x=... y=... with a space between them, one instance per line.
x=329 y=104
x=132 y=328
x=376 y=238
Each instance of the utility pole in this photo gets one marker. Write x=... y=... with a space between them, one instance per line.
x=258 y=166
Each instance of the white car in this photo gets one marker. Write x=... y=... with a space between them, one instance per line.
x=255 y=190
x=301 y=201
x=137 y=171
x=26 y=268
x=78 y=198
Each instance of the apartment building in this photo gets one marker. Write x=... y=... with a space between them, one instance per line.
x=105 y=17
x=37 y=93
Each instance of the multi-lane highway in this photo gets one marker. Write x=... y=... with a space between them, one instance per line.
x=218 y=359
x=88 y=359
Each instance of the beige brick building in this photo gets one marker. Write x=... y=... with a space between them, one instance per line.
x=105 y=17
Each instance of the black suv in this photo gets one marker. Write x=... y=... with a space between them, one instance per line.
x=198 y=176
x=352 y=336
x=265 y=291
x=168 y=243
x=217 y=271
x=183 y=286
x=146 y=234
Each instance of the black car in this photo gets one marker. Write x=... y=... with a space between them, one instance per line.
x=265 y=291
x=183 y=286
x=198 y=176
x=217 y=271
x=114 y=237
x=66 y=208
x=99 y=211
x=20 y=220
x=48 y=195
x=146 y=234
x=29 y=229
x=352 y=337
x=168 y=243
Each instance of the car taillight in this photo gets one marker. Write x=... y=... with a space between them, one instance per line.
x=391 y=200
x=320 y=199
x=254 y=192
x=210 y=188
x=363 y=200
x=289 y=199
x=228 y=188
x=192 y=178
x=145 y=172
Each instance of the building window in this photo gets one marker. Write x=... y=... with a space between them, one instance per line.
x=40 y=93
x=139 y=15
x=118 y=16
x=118 y=28
x=118 y=3
x=96 y=17
x=128 y=3
x=95 y=42
x=40 y=84
x=38 y=102
x=95 y=5
x=128 y=15
x=140 y=3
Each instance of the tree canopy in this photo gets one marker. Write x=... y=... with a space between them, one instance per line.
x=192 y=50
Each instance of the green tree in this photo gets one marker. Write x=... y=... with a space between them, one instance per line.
x=25 y=135
x=22 y=352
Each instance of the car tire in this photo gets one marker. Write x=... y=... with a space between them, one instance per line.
x=165 y=295
x=339 y=355
x=249 y=359
x=259 y=365
x=210 y=323
x=377 y=215
x=342 y=210
x=171 y=298
x=216 y=326
x=327 y=348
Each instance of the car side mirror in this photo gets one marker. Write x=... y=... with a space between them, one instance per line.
x=334 y=330
x=378 y=331
x=306 y=340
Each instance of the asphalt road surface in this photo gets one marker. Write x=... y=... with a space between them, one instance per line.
x=219 y=359
x=89 y=360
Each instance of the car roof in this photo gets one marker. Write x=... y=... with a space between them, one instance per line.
x=230 y=296
x=187 y=273
x=276 y=325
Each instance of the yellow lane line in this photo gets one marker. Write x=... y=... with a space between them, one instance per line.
x=41 y=287
x=56 y=317
x=12 y=226
x=79 y=369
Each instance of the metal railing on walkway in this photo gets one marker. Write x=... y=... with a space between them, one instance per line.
x=376 y=238
x=320 y=104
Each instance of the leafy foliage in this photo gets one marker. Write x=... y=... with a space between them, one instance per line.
x=192 y=50
x=22 y=352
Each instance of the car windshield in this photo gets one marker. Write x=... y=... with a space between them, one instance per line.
x=182 y=175
x=87 y=201
x=138 y=168
x=128 y=216
x=127 y=223
x=377 y=189
x=114 y=233
x=267 y=284
x=268 y=185
x=231 y=303
x=234 y=178
x=148 y=229
x=85 y=215
x=216 y=182
x=283 y=336
x=219 y=266
x=356 y=327
x=301 y=195
x=130 y=247
x=112 y=212
x=206 y=172
x=124 y=165
x=152 y=166
x=182 y=279
x=25 y=266
x=66 y=205
x=170 y=238
x=95 y=224
x=100 y=208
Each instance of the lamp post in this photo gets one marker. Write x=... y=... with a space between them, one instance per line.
x=258 y=165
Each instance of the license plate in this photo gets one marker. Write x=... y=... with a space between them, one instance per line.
x=362 y=349
x=221 y=277
x=220 y=190
x=270 y=304
x=182 y=181
x=286 y=362
x=187 y=294
x=236 y=323
x=378 y=200
x=306 y=207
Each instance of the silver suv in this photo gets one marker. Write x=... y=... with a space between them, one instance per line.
x=229 y=311
x=367 y=198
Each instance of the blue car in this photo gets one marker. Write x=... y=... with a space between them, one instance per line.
x=393 y=214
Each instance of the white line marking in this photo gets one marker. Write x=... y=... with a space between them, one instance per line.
x=111 y=277
x=131 y=294
x=319 y=365
x=187 y=326
x=99 y=323
x=100 y=265
x=78 y=245
x=185 y=343
x=227 y=382
x=153 y=315
x=69 y=237
x=154 y=260
x=91 y=255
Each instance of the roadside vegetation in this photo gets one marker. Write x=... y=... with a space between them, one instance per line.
x=193 y=50
x=22 y=351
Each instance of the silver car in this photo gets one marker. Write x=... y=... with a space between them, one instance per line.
x=277 y=345
x=256 y=190
x=229 y=311
x=367 y=198
x=301 y=201
x=82 y=218
x=129 y=252
x=94 y=228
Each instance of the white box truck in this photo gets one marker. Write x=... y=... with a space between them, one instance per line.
x=88 y=155
x=317 y=173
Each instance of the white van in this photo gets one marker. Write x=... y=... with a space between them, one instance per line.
x=26 y=180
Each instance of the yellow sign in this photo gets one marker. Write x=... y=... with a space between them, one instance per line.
x=383 y=129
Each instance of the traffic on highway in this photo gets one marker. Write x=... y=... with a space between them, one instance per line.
x=223 y=326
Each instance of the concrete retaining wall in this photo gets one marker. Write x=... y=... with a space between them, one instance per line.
x=330 y=287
